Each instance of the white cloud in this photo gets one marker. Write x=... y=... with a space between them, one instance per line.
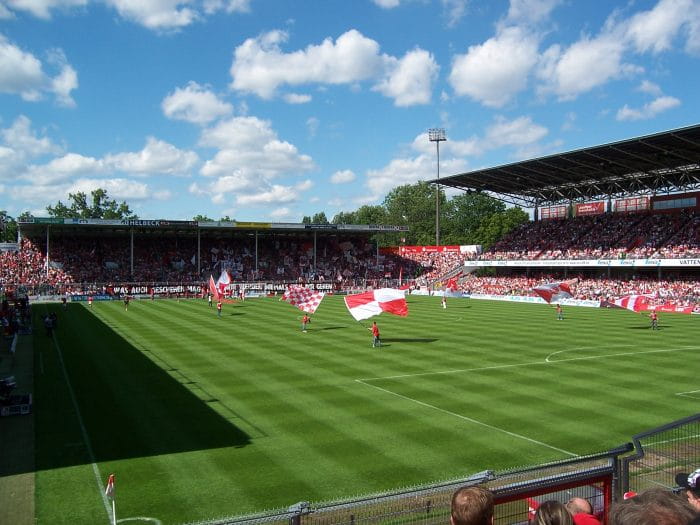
x=249 y=157
x=195 y=104
x=160 y=15
x=156 y=157
x=454 y=10
x=24 y=141
x=387 y=4
x=297 y=98
x=649 y=110
x=250 y=145
x=229 y=6
x=118 y=189
x=21 y=73
x=655 y=29
x=516 y=132
x=261 y=67
x=281 y=213
x=530 y=11
x=43 y=8
x=586 y=64
x=64 y=168
x=275 y=195
x=649 y=87
x=312 y=124
x=343 y=177
x=410 y=81
x=494 y=72
x=66 y=80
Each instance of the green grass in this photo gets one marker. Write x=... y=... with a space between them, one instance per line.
x=201 y=417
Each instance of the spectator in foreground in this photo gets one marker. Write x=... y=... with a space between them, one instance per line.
x=582 y=511
x=472 y=506
x=553 y=513
x=690 y=482
x=656 y=506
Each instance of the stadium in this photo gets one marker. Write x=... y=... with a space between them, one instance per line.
x=115 y=360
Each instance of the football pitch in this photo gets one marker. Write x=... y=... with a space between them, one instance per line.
x=201 y=417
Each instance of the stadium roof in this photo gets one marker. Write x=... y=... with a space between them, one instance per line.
x=661 y=163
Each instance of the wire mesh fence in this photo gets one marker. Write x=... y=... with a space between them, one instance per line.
x=661 y=453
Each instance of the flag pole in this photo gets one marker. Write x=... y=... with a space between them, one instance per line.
x=114 y=512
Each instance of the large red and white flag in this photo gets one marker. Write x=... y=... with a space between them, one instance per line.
x=223 y=282
x=635 y=303
x=303 y=298
x=109 y=490
x=212 y=288
x=368 y=304
x=554 y=292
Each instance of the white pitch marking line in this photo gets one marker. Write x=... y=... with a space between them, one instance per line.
x=529 y=363
x=83 y=430
x=156 y=521
x=690 y=392
x=471 y=420
x=547 y=359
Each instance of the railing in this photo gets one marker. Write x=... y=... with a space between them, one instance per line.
x=659 y=454
x=592 y=477
x=663 y=452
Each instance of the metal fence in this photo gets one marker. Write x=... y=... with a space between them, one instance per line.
x=661 y=453
x=653 y=458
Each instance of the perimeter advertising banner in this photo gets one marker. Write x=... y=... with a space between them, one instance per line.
x=553 y=212
x=631 y=204
x=589 y=208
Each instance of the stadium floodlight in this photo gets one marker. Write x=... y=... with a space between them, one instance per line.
x=437 y=135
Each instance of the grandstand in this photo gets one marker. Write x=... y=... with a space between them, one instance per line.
x=622 y=219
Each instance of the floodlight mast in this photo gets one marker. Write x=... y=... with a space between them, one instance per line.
x=437 y=135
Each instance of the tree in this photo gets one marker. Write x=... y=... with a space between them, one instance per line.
x=99 y=207
x=371 y=215
x=306 y=219
x=498 y=225
x=464 y=215
x=226 y=218
x=413 y=205
x=345 y=217
x=319 y=218
x=8 y=227
x=202 y=218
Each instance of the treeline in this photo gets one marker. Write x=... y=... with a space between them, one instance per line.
x=467 y=218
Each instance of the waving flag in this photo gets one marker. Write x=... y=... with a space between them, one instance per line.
x=223 y=282
x=109 y=491
x=553 y=292
x=369 y=304
x=635 y=303
x=212 y=288
x=305 y=299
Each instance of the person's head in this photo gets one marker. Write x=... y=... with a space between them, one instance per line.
x=578 y=506
x=472 y=506
x=691 y=484
x=553 y=513
x=656 y=506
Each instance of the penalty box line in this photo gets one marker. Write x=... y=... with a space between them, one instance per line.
x=470 y=419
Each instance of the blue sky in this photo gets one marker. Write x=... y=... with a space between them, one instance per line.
x=276 y=109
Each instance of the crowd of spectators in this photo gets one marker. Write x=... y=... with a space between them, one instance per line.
x=681 y=292
x=634 y=236
x=174 y=259
x=28 y=265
